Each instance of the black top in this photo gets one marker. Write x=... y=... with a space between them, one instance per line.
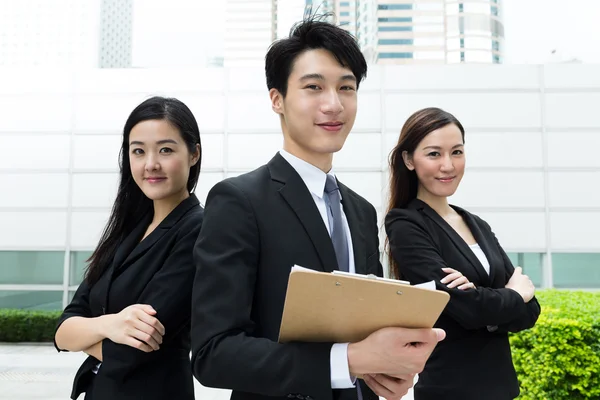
x=474 y=361
x=158 y=271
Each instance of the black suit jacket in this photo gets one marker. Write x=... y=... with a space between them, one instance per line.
x=474 y=361
x=256 y=227
x=158 y=271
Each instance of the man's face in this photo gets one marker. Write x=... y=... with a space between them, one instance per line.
x=319 y=108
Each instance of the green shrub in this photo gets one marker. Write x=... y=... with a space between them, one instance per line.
x=27 y=325
x=559 y=358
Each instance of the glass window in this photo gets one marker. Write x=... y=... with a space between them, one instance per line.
x=395 y=19
x=395 y=55
x=394 y=7
x=78 y=265
x=31 y=300
x=396 y=41
x=395 y=28
x=31 y=267
x=531 y=263
x=345 y=4
x=496 y=59
x=345 y=14
x=576 y=270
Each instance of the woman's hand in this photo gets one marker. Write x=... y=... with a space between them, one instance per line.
x=456 y=279
x=137 y=327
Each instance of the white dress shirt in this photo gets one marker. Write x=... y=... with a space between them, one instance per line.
x=476 y=249
x=314 y=179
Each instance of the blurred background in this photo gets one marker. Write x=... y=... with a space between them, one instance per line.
x=520 y=74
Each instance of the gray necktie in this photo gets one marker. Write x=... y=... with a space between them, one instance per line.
x=336 y=228
x=338 y=233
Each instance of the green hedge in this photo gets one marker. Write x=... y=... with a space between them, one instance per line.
x=27 y=326
x=559 y=358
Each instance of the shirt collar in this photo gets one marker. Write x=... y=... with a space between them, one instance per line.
x=313 y=177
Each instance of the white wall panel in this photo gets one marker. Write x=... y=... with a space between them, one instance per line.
x=34 y=190
x=96 y=152
x=517 y=231
x=212 y=150
x=149 y=82
x=366 y=184
x=360 y=151
x=251 y=112
x=43 y=151
x=35 y=113
x=493 y=110
x=574 y=189
x=87 y=227
x=368 y=116
x=104 y=113
x=250 y=151
x=460 y=77
x=205 y=183
x=570 y=76
x=575 y=231
x=500 y=189
x=208 y=110
x=576 y=110
x=33 y=230
x=504 y=149
x=572 y=149
x=95 y=190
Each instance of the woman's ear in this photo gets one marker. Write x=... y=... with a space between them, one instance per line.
x=408 y=160
x=196 y=155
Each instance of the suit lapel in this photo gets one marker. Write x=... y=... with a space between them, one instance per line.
x=297 y=195
x=356 y=229
x=458 y=241
x=482 y=240
x=135 y=249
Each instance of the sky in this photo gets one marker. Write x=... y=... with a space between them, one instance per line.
x=533 y=28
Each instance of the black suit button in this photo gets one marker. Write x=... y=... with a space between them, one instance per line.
x=291 y=396
x=299 y=396
x=308 y=398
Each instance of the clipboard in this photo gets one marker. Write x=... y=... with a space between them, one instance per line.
x=346 y=308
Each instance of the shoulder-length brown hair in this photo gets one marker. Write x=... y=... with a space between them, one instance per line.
x=404 y=182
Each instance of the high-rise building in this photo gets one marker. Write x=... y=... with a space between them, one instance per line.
x=250 y=27
x=116 y=29
x=425 y=31
x=40 y=33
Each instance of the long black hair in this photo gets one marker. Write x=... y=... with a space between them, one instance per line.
x=131 y=203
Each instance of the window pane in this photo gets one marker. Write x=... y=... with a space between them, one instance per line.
x=576 y=270
x=31 y=300
x=31 y=267
x=78 y=266
x=531 y=264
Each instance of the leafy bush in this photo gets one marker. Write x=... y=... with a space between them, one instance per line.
x=559 y=358
x=27 y=325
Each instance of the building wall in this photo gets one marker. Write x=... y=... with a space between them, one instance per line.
x=531 y=145
x=50 y=34
x=251 y=27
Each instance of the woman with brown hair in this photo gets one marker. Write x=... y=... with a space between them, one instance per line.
x=429 y=239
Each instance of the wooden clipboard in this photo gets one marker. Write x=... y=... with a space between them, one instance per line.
x=341 y=308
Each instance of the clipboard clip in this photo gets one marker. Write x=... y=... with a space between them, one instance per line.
x=369 y=276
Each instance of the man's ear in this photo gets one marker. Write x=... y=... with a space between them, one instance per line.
x=276 y=101
x=408 y=160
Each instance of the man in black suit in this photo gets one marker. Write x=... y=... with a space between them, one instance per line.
x=293 y=211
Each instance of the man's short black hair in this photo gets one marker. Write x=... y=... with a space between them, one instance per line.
x=310 y=34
